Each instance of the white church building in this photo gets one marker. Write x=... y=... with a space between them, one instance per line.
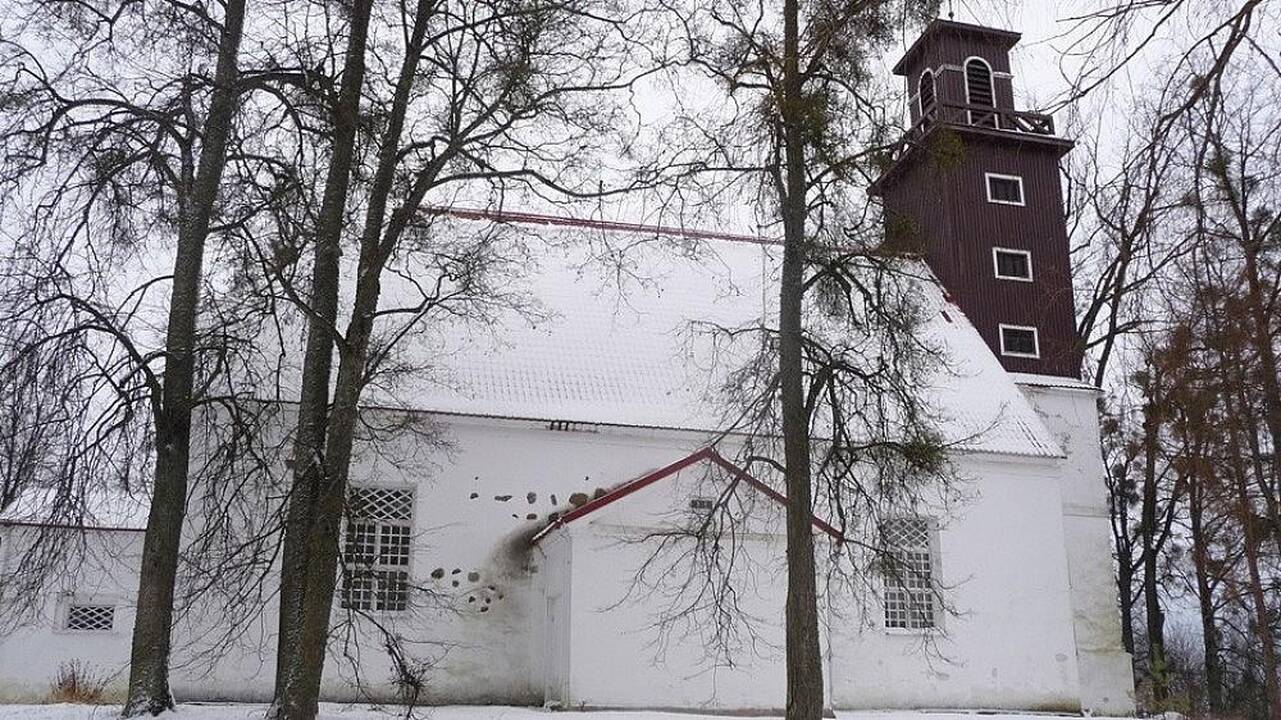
x=507 y=561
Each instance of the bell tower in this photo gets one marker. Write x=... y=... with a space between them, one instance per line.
x=975 y=186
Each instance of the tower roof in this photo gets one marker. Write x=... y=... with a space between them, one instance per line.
x=1005 y=39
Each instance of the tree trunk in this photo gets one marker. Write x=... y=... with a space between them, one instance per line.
x=1262 y=339
x=1150 y=530
x=1125 y=588
x=1205 y=597
x=321 y=560
x=323 y=543
x=804 y=668
x=1258 y=596
x=313 y=406
x=149 y=656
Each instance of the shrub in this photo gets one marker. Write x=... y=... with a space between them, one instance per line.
x=77 y=683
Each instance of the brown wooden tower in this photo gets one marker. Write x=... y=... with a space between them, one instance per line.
x=976 y=186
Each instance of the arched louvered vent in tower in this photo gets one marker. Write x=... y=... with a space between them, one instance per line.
x=925 y=94
x=978 y=91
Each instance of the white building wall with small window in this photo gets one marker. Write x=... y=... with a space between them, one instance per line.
x=1005 y=640
x=82 y=621
x=1000 y=637
x=439 y=547
x=510 y=622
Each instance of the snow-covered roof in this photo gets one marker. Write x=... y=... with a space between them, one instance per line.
x=621 y=344
x=98 y=508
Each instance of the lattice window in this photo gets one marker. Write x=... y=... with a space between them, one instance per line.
x=908 y=571
x=91 y=618
x=376 y=549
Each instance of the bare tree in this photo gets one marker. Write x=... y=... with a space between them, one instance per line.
x=485 y=98
x=198 y=191
x=123 y=138
x=829 y=395
x=313 y=409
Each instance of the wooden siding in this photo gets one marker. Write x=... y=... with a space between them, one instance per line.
x=944 y=49
x=942 y=197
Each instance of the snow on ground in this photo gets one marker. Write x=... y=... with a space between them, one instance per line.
x=336 y=711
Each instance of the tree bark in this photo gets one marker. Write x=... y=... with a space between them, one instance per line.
x=313 y=406
x=319 y=573
x=1258 y=596
x=1262 y=339
x=1154 y=615
x=804 y=668
x=1205 y=596
x=1125 y=588
x=149 y=656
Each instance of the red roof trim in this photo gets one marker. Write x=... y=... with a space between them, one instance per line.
x=778 y=497
x=631 y=486
x=512 y=216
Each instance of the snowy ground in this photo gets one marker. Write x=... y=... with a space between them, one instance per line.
x=333 y=711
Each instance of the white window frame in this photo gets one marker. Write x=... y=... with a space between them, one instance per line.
x=344 y=603
x=1036 y=340
x=996 y=266
x=987 y=188
x=932 y=543
x=991 y=81
x=920 y=102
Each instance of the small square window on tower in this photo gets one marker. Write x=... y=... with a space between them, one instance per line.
x=1012 y=264
x=1019 y=341
x=1004 y=189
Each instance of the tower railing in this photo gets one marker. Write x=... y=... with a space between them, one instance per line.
x=965 y=114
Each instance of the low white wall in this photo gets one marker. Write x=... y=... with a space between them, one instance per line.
x=1009 y=645
x=478 y=624
x=99 y=567
x=645 y=625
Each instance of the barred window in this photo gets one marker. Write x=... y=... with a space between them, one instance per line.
x=376 y=549
x=908 y=571
x=91 y=618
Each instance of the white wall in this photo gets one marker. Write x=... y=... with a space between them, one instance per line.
x=485 y=621
x=1009 y=643
x=100 y=568
x=1070 y=411
x=644 y=621
x=477 y=504
x=557 y=625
